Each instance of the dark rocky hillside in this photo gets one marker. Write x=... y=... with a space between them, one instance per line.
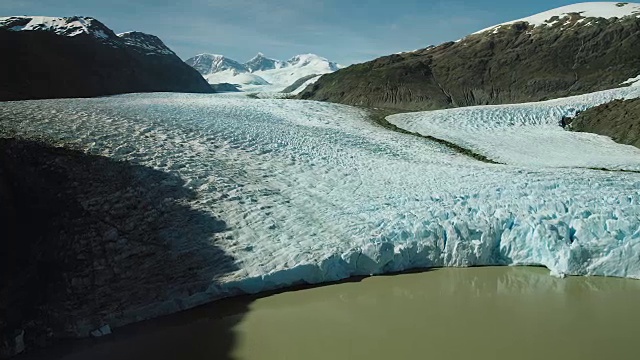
x=516 y=63
x=45 y=64
x=620 y=120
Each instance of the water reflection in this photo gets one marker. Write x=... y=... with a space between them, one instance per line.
x=481 y=313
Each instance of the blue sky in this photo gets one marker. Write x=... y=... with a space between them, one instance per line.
x=345 y=31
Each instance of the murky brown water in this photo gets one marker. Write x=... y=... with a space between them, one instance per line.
x=482 y=313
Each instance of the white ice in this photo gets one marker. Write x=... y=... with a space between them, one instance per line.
x=528 y=134
x=315 y=192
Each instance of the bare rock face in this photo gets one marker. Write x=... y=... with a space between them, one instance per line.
x=90 y=244
x=510 y=64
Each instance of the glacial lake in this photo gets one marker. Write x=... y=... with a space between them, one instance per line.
x=480 y=313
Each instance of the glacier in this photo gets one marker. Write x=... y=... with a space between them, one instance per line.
x=529 y=134
x=317 y=192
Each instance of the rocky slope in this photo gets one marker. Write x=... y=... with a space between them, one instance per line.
x=574 y=50
x=46 y=57
x=620 y=120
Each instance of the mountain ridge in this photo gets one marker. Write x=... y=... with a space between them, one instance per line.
x=49 y=57
x=506 y=63
x=260 y=72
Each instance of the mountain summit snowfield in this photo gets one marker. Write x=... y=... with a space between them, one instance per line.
x=261 y=73
x=606 y=10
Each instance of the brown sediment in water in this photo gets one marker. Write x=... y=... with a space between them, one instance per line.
x=480 y=313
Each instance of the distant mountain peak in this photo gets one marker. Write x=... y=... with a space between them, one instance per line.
x=310 y=59
x=261 y=70
x=262 y=63
x=213 y=63
x=145 y=43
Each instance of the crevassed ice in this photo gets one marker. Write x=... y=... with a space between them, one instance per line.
x=315 y=192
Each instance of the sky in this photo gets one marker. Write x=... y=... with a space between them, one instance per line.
x=344 y=31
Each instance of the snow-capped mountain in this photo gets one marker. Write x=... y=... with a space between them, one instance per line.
x=212 y=63
x=52 y=57
x=577 y=14
x=566 y=51
x=66 y=26
x=260 y=73
x=77 y=26
x=262 y=63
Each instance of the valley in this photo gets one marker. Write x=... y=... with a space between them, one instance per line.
x=135 y=185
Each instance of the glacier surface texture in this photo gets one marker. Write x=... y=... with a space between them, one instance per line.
x=316 y=192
